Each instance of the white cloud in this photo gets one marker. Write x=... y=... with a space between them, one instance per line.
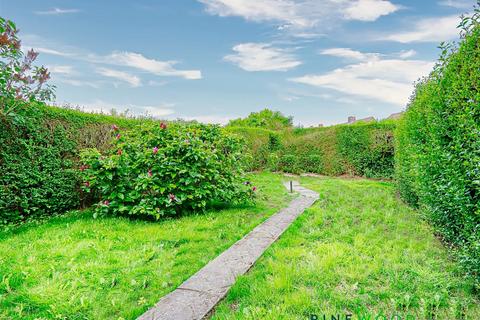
x=133 y=80
x=351 y=54
x=388 y=80
x=348 y=53
x=56 y=11
x=52 y=52
x=300 y=14
x=157 y=67
x=428 y=30
x=262 y=57
x=61 y=69
x=79 y=83
x=284 y=11
x=459 y=4
x=127 y=59
x=405 y=54
x=369 y=10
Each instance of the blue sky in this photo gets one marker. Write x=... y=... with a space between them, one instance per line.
x=214 y=60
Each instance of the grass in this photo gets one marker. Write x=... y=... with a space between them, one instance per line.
x=77 y=267
x=357 y=251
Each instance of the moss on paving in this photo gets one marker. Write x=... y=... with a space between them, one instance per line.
x=77 y=267
x=357 y=251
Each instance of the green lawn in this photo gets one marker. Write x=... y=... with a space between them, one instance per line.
x=77 y=267
x=358 y=250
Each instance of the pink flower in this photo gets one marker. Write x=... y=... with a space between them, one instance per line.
x=163 y=126
x=171 y=196
x=114 y=127
x=119 y=152
x=254 y=189
x=106 y=202
x=31 y=55
x=118 y=136
x=155 y=150
x=150 y=172
x=87 y=184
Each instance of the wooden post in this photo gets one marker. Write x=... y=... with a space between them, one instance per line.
x=291 y=186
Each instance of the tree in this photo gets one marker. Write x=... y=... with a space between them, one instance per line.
x=20 y=80
x=267 y=119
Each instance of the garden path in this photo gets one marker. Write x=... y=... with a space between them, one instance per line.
x=198 y=295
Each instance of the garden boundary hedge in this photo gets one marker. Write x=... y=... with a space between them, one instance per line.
x=363 y=149
x=438 y=147
x=39 y=158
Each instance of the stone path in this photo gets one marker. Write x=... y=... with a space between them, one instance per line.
x=197 y=296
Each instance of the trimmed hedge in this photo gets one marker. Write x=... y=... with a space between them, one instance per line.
x=363 y=149
x=38 y=158
x=368 y=150
x=438 y=147
x=39 y=150
x=258 y=145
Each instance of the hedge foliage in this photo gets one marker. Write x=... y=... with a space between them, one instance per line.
x=363 y=149
x=438 y=146
x=257 y=145
x=161 y=170
x=39 y=157
x=40 y=146
x=42 y=175
x=266 y=119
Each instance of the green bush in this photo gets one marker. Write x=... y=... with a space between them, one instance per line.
x=289 y=163
x=39 y=149
x=37 y=168
x=312 y=163
x=359 y=149
x=257 y=145
x=266 y=119
x=319 y=142
x=274 y=142
x=438 y=146
x=367 y=149
x=273 y=162
x=159 y=170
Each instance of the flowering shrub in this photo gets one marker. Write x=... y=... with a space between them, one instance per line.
x=20 y=81
x=164 y=169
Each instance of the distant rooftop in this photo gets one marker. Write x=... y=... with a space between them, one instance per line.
x=353 y=119
x=397 y=115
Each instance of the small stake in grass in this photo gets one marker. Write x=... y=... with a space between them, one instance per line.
x=291 y=186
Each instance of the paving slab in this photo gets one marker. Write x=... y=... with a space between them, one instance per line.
x=198 y=295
